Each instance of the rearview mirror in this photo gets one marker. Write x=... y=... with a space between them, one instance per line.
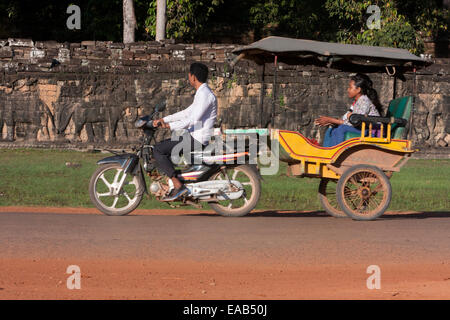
x=141 y=121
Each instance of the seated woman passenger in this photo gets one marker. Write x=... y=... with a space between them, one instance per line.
x=364 y=96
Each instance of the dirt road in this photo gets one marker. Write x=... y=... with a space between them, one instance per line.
x=268 y=255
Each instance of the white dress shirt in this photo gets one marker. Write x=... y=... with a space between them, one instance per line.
x=199 y=117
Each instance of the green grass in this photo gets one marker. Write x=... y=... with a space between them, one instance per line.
x=34 y=177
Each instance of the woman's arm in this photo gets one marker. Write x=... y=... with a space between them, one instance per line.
x=326 y=121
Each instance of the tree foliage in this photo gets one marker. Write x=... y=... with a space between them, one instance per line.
x=186 y=19
x=404 y=24
x=401 y=25
x=288 y=17
x=46 y=20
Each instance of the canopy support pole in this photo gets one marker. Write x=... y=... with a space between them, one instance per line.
x=261 y=96
x=410 y=124
x=393 y=75
x=274 y=93
x=394 y=90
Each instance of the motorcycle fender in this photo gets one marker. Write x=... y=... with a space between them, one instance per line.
x=127 y=161
x=130 y=163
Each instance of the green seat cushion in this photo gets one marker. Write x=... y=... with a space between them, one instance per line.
x=399 y=108
x=350 y=135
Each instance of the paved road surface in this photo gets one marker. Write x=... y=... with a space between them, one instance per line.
x=203 y=256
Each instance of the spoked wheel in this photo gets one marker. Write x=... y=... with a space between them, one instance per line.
x=327 y=197
x=364 y=192
x=247 y=202
x=106 y=194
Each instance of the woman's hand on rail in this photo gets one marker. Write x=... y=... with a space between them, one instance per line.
x=326 y=121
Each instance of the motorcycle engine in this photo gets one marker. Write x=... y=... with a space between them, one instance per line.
x=159 y=187
x=154 y=187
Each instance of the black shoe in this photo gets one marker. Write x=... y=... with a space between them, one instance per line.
x=176 y=193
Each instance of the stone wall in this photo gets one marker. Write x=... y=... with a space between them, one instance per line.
x=88 y=94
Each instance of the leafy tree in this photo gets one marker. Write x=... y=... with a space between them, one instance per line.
x=46 y=20
x=403 y=28
x=186 y=19
x=404 y=24
x=296 y=18
x=425 y=16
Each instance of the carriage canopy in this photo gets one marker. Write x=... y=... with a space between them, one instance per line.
x=327 y=51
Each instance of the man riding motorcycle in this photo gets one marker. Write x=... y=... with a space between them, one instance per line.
x=198 y=119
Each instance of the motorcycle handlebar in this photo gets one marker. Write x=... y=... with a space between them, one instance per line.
x=149 y=125
x=145 y=122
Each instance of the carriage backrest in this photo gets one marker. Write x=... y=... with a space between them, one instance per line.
x=399 y=108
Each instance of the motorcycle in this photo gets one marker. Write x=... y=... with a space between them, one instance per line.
x=229 y=185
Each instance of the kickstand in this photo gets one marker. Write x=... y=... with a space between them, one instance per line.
x=198 y=206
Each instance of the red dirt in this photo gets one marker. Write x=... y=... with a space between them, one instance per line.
x=146 y=279
x=108 y=278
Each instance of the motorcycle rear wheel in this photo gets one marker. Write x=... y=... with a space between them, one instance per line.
x=252 y=192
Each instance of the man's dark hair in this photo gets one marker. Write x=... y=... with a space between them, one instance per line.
x=200 y=71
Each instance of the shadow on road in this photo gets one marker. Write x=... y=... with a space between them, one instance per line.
x=323 y=214
x=273 y=213
x=417 y=215
x=290 y=214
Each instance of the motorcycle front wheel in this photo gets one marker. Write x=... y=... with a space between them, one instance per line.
x=106 y=195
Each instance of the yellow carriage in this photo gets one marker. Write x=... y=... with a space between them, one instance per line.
x=355 y=173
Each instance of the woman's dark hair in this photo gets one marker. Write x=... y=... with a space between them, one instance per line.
x=363 y=81
x=200 y=71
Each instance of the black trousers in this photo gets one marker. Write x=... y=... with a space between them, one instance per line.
x=162 y=152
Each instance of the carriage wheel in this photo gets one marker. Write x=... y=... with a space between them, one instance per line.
x=364 y=192
x=327 y=197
